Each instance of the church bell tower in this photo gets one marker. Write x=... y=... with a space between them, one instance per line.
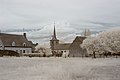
x=54 y=41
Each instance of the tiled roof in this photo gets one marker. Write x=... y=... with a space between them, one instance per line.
x=79 y=39
x=62 y=46
x=8 y=39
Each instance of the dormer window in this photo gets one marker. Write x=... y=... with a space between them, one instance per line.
x=13 y=43
x=0 y=44
x=24 y=44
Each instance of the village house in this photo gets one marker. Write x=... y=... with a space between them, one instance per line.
x=18 y=43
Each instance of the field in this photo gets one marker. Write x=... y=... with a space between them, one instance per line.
x=12 y=68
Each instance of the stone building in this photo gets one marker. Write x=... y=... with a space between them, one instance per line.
x=75 y=49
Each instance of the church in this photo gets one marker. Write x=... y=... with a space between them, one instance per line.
x=71 y=49
x=58 y=48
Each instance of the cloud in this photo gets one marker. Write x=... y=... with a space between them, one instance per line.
x=38 y=11
x=71 y=17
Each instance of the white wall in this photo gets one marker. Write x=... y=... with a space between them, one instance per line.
x=19 y=50
x=64 y=51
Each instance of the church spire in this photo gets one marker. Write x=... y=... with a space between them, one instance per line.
x=54 y=34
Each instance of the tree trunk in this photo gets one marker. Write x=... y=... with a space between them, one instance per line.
x=94 y=56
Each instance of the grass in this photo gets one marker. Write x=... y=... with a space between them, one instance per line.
x=24 y=68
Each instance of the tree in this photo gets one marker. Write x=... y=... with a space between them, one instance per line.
x=105 y=42
x=111 y=39
x=89 y=45
x=45 y=52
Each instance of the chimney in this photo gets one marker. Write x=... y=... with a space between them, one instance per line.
x=24 y=34
x=36 y=44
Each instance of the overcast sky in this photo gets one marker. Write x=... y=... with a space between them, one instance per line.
x=29 y=13
x=75 y=14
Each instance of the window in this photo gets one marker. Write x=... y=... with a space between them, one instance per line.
x=23 y=51
x=24 y=44
x=16 y=50
x=13 y=43
x=0 y=43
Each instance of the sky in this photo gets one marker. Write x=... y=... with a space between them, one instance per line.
x=70 y=16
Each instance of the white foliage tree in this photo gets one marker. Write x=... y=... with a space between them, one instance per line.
x=43 y=51
x=111 y=39
x=89 y=45
x=108 y=41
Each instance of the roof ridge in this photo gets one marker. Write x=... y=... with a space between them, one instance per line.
x=11 y=34
x=7 y=39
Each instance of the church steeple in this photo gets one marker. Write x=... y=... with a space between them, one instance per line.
x=54 y=34
x=54 y=41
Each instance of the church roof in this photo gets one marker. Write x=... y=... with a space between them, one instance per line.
x=77 y=41
x=54 y=34
x=62 y=46
x=8 y=39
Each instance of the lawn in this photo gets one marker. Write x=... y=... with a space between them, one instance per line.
x=24 y=68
